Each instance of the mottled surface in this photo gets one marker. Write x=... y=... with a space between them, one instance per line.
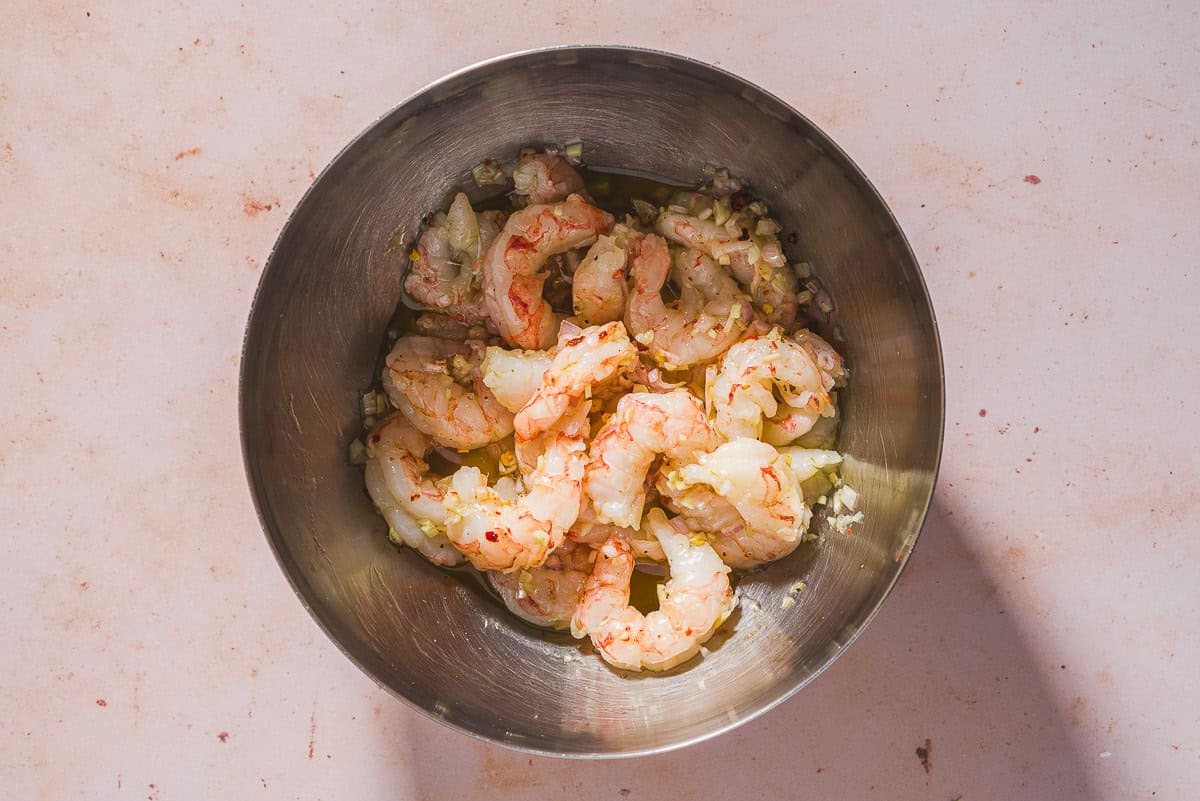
x=1043 y=641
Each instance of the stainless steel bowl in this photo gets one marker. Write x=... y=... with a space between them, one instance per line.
x=438 y=641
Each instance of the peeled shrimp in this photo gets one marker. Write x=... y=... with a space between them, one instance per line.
x=590 y=531
x=583 y=358
x=408 y=499
x=445 y=274
x=756 y=260
x=506 y=527
x=598 y=289
x=759 y=484
x=545 y=178
x=743 y=390
x=546 y=595
x=643 y=425
x=694 y=602
x=438 y=385
x=822 y=353
x=443 y=326
x=512 y=267
x=708 y=317
x=514 y=376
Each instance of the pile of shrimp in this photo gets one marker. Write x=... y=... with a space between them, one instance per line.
x=669 y=417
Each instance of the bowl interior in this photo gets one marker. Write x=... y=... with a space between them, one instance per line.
x=320 y=315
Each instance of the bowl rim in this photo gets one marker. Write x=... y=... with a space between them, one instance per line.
x=243 y=401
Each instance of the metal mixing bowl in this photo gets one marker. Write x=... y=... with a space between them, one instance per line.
x=440 y=642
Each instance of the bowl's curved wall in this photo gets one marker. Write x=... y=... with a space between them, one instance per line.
x=319 y=317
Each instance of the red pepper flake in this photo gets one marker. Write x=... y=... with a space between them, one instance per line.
x=1032 y=179
x=223 y=736
x=738 y=200
x=573 y=342
x=491 y=536
x=983 y=412
x=101 y=702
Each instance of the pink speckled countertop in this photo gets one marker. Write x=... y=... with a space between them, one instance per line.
x=1045 y=162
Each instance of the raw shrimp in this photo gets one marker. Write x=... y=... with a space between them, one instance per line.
x=697 y=504
x=438 y=385
x=505 y=528
x=583 y=358
x=709 y=317
x=706 y=512
x=598 y=290
x=546 y=595
x=643 y=425
x=406 y=497
x=822 y=353
x=589 y=530
x=514 y=376
x=545 y=178
x=694 y=602
x=444 y=326
x=512 y=267
x=759 y=483
x=755 y=259
x=743 y=390
x=445 y=274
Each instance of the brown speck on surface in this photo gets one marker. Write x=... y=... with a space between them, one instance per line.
x=223 y=736
x=312 y=732
x=923 y=752
x=101 y=702
x=1032 y=179
x=983 y=412
x=183 y=154
x=252 y=207
x=83 y=585
x=624 y=791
